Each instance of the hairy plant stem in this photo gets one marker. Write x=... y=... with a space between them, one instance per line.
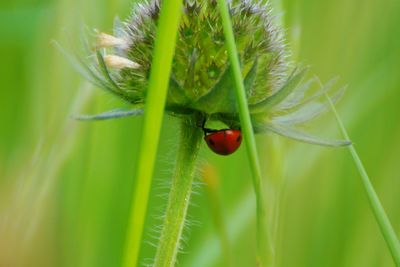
x=179 y=196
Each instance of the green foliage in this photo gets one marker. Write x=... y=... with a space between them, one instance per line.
x=65 y=186
x=201 y=80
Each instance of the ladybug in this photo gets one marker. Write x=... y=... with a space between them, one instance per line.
x=223 y=142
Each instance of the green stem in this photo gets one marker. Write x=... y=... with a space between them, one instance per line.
x=164 y=48
x=379 y=212
x=179 y=196
x=264 y=248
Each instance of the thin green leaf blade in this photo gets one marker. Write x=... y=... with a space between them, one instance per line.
x=250 y=78
x=292 y=83
x=221 y=97
x=111 y=114
x=77 y=65
x=106 y=72
x=387 y=230
x=301 y=136
x=176 y=94
x=308 y=111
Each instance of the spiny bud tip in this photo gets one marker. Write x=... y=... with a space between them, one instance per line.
x=105 y=40
x=117 y=62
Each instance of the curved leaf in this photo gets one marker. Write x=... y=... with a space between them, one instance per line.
x=80 y=67
x=280 y=95
x=297 y=96
x=301 y=136
x=250 y=78
x=118 y=29
x=221 y=97
x=176 y=94
x=308 y=111
x=112 y=114
x=106 y=72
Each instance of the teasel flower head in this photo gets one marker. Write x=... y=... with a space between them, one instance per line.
x=201 y=84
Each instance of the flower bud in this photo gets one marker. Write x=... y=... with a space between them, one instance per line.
x=105 y=41
x=117 y=62
x=201 y=83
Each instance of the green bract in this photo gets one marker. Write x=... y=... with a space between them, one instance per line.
x=201 y=83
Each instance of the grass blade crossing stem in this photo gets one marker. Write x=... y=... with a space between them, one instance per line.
x=264 y=249
x=155 y=102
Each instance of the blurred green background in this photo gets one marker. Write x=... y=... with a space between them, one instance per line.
x=65 y=186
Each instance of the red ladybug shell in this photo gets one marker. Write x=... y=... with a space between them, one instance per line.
x=224 y=142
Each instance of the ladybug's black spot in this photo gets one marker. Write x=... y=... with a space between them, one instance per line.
x=211 y=142
x=238 y=138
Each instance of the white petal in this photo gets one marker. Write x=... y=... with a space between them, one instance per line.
x=118 y=62
x=105 y=40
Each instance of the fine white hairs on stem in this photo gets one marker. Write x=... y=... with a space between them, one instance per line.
x=117 y=62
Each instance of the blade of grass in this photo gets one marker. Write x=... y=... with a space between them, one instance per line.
x=264 y=249
x=155 y=102
x=379 y=212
